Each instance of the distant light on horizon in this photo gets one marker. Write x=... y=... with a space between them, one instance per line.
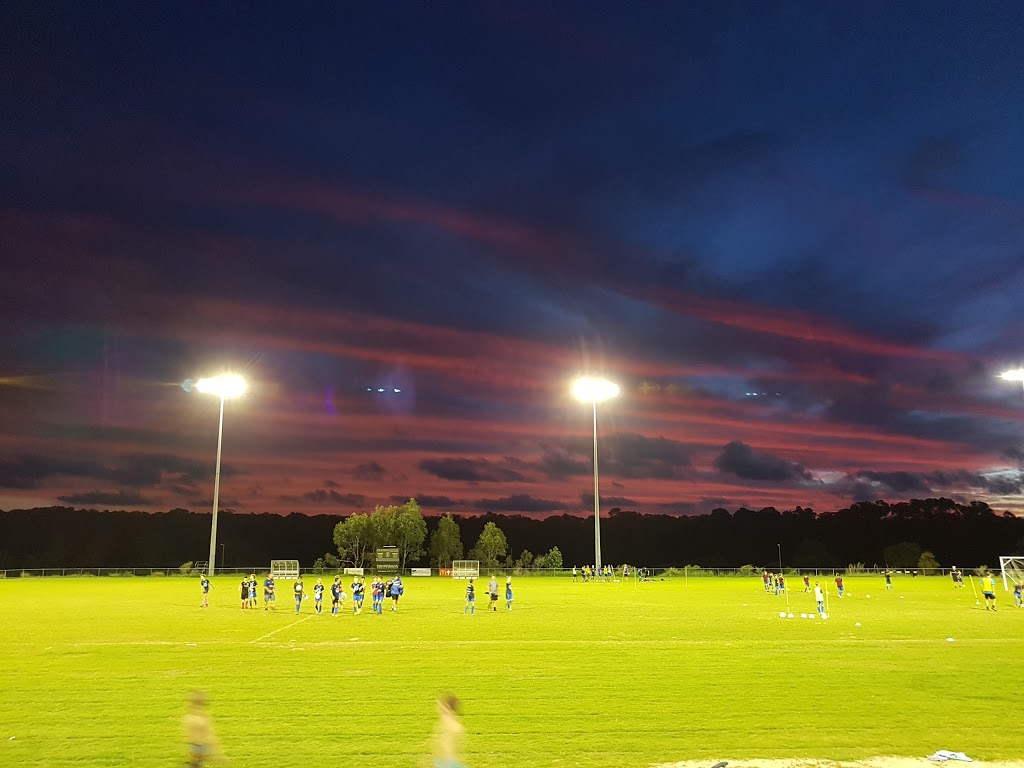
x=594 y=389
x=1016 y=374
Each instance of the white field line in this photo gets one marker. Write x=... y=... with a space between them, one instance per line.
x=281 y=629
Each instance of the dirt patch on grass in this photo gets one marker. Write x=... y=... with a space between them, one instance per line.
x=873 y=762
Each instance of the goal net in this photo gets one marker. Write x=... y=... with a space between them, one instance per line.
x=284 y=569
x=465 y=569
x=1012 y=569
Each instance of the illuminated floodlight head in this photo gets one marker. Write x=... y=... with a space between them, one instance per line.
x=593 y=389
x=227 y=386
x=1017 y=374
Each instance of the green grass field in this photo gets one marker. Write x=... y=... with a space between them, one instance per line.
x=95 y=671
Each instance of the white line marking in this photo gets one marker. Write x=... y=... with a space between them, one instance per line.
x=281 y=629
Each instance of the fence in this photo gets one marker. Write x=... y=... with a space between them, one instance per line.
x=656 y=573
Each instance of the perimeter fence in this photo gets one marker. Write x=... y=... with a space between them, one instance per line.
x=684 y=572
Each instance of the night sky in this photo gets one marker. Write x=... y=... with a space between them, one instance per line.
x=793 y=233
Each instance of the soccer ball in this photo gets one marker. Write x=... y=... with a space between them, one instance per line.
x=824 y=615
x=868 y=596
x=791 y=615
x=782 y=614
x=305 y=597
x=803 y=615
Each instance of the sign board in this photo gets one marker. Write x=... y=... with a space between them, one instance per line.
x=444 y=571
x=420 y=571
x=386 y=560
x=353 y=571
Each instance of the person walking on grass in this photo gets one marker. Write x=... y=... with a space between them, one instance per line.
x=252 y=590
x=244 y=592
x=470 y=600
x=888 y=581
x=819 y=598
x=492 y=590
x=335 y=595
x=839 y=585
x=300 y=592
x=269 y=595
x=1018 y=597
x=988 y=589
x=447 y=741
x=508 y=593
x=807 y=583
x=397 y=590
x=204 y=582
x=318 y=596
x=203 y=747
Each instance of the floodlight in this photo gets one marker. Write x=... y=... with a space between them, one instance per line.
x=226 y=386
x=592 y=389
x=1017 y=374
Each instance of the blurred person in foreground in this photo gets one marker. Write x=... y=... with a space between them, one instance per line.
x=203 y=747
x=448 y=734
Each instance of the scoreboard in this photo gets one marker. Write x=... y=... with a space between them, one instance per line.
x=386 y=560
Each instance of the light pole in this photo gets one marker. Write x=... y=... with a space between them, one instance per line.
x=227 y=386
x=588 y=389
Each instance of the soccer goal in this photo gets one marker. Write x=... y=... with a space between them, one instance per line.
x=1012 y=569
x=284 y=569
x=465 y=569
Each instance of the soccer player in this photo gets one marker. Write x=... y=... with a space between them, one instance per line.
x=269 y=596
x=243 y=590
x=767 y=579
x=252 y=590
x=1018 y=597
x=397 y=590
x=819 y=598
x=492 y=590
x=888 y=581
x=574 y=573
x=952 y=575
x=447 y=734
x=299 y=591
x=839 y=585
x=807 y=583
x=335 y=595
x=357 y=595
x=202 y=744
x=988 y=589
x=204 y=582
x=508 y=593
x=470 y=599
x=318 y=596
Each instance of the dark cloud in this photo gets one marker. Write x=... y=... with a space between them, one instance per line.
x=370 y=471
x=900 y=482
x=587 y=499
x=743 y=461
x=27 y=470
x=332 y=484
x=519 y=503
x=111 y=498
x=623 y=454
x=323 y=496
x=135 y=470
x=869 y=485
x=429 y=502
x=471 y=470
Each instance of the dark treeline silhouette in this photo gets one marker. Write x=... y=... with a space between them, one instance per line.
x=957 y=534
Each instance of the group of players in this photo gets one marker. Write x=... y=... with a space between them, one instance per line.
x=492 y=590
x=380 y=590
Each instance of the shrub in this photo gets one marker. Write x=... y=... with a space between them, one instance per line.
x=185 y=569
x=855 y=568
x=158 y=573
x=748 y=570
x=26 y=575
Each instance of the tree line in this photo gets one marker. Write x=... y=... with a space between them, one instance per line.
x=873 y=533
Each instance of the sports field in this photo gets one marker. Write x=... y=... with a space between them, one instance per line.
x=95 y=672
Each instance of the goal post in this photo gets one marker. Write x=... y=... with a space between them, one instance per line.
x=465 y=569
x=1012 y=569
x=284 y=569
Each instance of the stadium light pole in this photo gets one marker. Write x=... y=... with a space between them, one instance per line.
x=227 y=386
x=593 y=390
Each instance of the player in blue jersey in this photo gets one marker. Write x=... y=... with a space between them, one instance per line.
x=299 y=592
x=252 y=590
x=204 y=582
x=508 y=593
x=269 y=596
x=335 y=595
x=470 y=599
x=357 y=595
x=397 y=590
x=318 y=596
x=888 y=580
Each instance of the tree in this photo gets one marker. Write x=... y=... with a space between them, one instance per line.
x=384 y=525
x=446 y=543
x=410 y=532
x=353 y=537
x=902 y=555
x=490 y=546
x=525 y=559
x=553 y=559
x=927 y=560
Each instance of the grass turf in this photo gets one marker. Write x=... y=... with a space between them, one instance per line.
x=95 y=673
